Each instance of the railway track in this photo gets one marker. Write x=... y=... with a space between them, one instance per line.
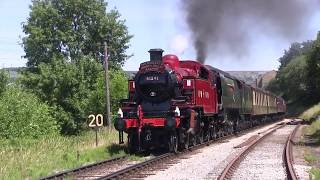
x=287 y=155
x=137 y=170
x=76 y=171
x=141 y=170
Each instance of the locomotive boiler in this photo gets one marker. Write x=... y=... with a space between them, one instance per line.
x=176 y=104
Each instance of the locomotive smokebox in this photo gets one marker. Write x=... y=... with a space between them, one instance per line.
x=155 y=54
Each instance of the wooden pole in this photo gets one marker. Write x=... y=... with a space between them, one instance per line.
x=106 y=80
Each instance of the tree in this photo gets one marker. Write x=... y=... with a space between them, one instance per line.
x=290 y=82
x=75 y=90
x=70 y=29
x=313 y=71
x=296 y=49
x=67 y=88
x=118 y=90
x=63 y=45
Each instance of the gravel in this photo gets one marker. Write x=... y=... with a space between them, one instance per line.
x=265 y=161
x=208 y=162
x=104 y=170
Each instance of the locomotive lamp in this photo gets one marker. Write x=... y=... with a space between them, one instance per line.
x=177 y=111
x=120 y=113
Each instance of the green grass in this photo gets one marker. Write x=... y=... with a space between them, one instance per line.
x=315 y=174
x=313 y=131
x=31 y=159
x=310 y=158
x=311 y=113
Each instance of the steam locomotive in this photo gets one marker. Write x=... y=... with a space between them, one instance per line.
x=176 y=104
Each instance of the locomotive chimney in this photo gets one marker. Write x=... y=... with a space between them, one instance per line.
x=155 y=54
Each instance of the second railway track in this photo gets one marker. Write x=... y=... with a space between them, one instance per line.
x=232 y=169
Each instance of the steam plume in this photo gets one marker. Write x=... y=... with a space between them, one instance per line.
x=225 y=25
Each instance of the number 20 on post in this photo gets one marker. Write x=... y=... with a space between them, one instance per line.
x=95 y=120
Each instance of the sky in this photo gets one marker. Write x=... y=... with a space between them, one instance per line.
x=154 y=24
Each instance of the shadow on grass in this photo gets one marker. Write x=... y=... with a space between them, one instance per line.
x=312 y=140
x=316 y=137
x=115 y=149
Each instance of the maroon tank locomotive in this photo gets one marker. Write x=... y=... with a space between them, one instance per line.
x=176 y=104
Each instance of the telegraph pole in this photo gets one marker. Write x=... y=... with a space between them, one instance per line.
x=106 y=82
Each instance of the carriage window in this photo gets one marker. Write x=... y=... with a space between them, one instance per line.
x=203 y=73
x=239 y=84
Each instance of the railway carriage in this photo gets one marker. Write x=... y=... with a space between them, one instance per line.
x=176 y=104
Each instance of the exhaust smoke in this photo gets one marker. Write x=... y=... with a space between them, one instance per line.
x=224 y=26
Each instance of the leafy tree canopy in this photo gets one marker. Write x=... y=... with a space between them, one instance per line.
x=75 y=90
x=298 y=78
x=313 y=71
x=66 y=87
x=118 y=90
x=73 y=28
x=296 y=49
x=64 y=47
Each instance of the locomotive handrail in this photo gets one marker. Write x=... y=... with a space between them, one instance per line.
x=180 y=99
x=127 y=101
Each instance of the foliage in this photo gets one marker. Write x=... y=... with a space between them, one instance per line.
x=313 y=71
x=23 y=115
x=31 y=159
x=315 y=173
x=296 y=49
x=71 y=29
x=311 y=113
x=67 y=88
x=75 y=90
x=64 y=47
x=4 y=79
x=290 y=81
x=118 y=88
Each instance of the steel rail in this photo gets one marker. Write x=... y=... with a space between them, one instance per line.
x=287 y=155
x=232 y=166
x=71 y=172
x=129 y=169
x=122 y=174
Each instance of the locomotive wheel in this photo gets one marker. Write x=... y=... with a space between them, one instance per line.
x=194 y=140
x=200 y=137
x=173 y=143
x=236 y=126
x=206 y=136
x=212 y=133
x=132 y=143
x=186 y=141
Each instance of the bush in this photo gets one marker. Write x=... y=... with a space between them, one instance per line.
x=22 y=115
x=311 y=113
x=4 y=79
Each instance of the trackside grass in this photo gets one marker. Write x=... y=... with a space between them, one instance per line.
x=311 y=113
x=313 y=133
x=31 y=159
